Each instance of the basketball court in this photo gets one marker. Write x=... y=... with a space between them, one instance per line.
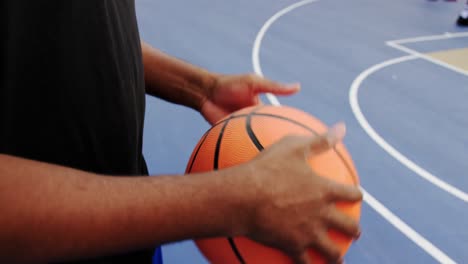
x=396 y=72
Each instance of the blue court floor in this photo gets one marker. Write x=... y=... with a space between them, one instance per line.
x=394 y=71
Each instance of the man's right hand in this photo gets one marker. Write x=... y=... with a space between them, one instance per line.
x=296 y=207
x=52 y=213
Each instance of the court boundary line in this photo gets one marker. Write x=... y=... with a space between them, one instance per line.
x=392 y=151
x=354 y=102
x=258 y=41
x=396 y=44
x=383 y=211
x=446 y=35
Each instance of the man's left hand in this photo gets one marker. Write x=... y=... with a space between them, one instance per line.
x=234 y=92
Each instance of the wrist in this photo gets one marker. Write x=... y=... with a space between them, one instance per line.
x=246 y=193
x=207 y=85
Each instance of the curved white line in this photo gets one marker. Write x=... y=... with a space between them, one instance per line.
x=263 y=30
x=258 y=41
x=414 y=236
x=353 y=99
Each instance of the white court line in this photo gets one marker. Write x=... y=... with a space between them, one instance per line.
x=425 y=57
x=353 y=99
x=447 y=35
x=409 y=232
x=259 y=38
x=394 y=220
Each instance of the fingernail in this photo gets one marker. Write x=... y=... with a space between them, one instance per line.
x=294 y=86
x=337 y=131
x=357 y=236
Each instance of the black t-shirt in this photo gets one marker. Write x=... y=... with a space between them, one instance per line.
x=72 y=86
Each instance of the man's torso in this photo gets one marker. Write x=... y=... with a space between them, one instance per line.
x=72 y=85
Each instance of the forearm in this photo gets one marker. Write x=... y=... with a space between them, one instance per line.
x=56 y=213
x=174 y=80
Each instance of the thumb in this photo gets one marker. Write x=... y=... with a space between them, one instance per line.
x=329 y=139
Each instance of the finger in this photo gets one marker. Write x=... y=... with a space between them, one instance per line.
x=262 y=85
x=257 y=100
x=329 y=139
x=343 y=223
x=302 y=258
x=327 y=248
x=346 y=193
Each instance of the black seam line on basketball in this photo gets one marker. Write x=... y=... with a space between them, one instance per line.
x=237 y=116
x=207 y=132
x=224 y=122
x=252 y=136
x=348 y=166
x=259 y=146
x=215 y=166
x=196 y=152
x=250 y=132
x=340 y=155
x=218 y=145
x=234 y=248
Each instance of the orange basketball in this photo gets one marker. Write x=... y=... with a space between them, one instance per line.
x=238 y=138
